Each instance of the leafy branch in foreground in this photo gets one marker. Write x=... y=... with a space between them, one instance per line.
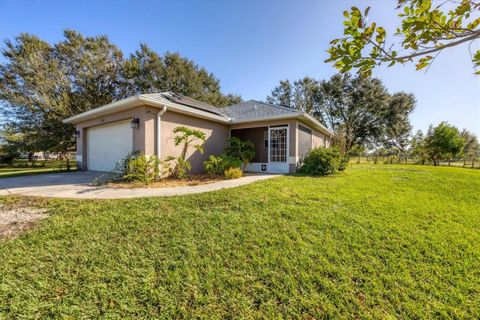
x=425 y=31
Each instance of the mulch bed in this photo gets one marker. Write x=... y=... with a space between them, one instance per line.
x=193 y=180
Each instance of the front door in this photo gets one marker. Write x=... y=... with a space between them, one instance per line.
x=278 y=150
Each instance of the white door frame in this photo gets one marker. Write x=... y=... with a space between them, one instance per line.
x=279 y=167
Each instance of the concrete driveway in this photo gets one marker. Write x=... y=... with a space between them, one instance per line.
x=79 y=185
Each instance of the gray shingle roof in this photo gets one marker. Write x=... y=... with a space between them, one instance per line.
x=247 y=110
x=252 y=109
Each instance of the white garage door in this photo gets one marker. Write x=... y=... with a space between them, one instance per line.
x=107 y=144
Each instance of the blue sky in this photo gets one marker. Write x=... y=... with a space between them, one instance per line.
x=251 y=45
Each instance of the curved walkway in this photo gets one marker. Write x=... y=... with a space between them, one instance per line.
x=78 y=185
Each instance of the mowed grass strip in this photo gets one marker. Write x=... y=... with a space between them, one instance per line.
x=372 y=242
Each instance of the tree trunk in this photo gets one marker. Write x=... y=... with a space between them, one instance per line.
x=449 y=161
x=68 y=162
x=183 y=155
x=473 y=162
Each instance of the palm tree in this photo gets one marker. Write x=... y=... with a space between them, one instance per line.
x=186 y=136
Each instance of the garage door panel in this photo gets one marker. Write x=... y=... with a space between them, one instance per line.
x=108 y=144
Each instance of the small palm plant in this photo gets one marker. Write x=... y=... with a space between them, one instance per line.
x=188 y=138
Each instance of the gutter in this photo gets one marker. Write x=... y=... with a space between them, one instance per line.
x=293 y=115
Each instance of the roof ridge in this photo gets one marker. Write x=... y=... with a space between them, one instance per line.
x=277 y=105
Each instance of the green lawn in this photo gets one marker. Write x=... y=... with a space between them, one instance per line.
x=22 y=168
x=372 y=242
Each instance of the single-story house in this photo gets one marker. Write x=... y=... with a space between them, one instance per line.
x=282 y=136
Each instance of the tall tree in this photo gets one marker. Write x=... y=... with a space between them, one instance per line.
x=418 y=148
x=303 y=94
x=364 y=111
x=425 y=31
x=148 y=72
x=282 y=95
x=398 y=130
x=359 y=110
x=471 y=149
x=40 y=84
x=443 y=142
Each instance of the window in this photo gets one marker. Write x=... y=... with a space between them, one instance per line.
x=265 y=139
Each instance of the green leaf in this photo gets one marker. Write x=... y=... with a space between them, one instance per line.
x=366 y=11
x=472 y=25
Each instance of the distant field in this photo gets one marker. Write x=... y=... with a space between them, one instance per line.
x=373 y=242
x=386 y=160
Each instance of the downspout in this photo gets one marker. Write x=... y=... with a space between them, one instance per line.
x=159 y=118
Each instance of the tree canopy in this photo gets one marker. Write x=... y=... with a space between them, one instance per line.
x=148 y=72
x=359 y=109
x=426 y=30
x=41 y=84
x=443 y=142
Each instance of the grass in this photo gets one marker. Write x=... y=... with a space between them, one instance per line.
x=22 y=168
x=372 y=242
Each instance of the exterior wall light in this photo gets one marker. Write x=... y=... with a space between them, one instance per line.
x=77 y=133
x=135 y=123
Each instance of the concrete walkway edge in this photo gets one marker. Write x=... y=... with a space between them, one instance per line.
x=80 y=188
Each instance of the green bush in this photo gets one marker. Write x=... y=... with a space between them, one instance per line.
x=121 y=166
x=143 y=169
x=344 y=159
x=241 y=149
x=7 y=158
x=322 y=161
x=216 y=165
x=233 y=173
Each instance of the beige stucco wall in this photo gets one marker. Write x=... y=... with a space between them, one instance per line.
x=320 y=140
x=142 y=138
x=216 y=134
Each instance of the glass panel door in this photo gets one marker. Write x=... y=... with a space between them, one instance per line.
x=278 y=145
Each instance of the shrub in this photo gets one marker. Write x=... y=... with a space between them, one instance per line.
x=7 y=158
x=344 y=159
x=241 y=149
x=216 y=165
x=233 y=173
x=321 y=162
x=143 y=169
x=121 y=166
